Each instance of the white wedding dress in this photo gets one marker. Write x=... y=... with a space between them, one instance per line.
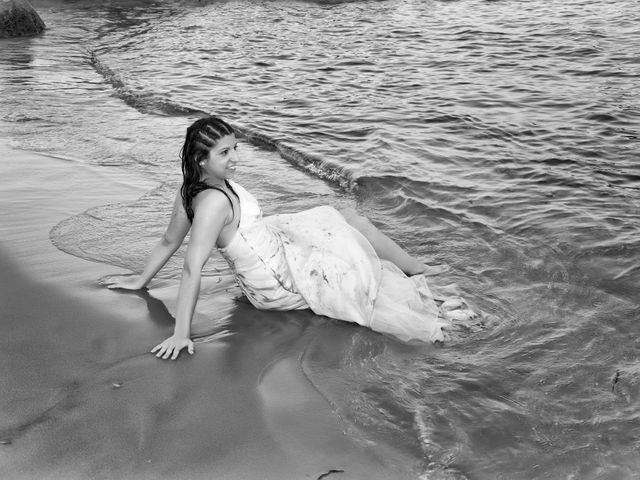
x=315 y=259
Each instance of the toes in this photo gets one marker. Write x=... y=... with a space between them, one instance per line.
x=459 y=315
x=452 y=303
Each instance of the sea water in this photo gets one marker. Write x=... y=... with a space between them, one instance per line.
x=498 y=138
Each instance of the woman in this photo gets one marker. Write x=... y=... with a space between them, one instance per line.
x=336 y=263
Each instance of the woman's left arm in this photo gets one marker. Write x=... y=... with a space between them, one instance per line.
x=211 y=212
x=175 y=233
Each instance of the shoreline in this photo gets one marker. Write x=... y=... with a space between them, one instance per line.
x=83 y=398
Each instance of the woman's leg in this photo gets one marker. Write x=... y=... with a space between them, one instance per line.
x=386 y=248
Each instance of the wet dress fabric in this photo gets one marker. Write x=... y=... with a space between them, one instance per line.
x=315 y=259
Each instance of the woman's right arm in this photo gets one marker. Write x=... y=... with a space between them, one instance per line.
x=173 y=237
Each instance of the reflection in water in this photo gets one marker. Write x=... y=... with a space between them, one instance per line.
x=16 y=57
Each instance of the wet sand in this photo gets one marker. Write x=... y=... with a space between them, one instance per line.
x=82 y=397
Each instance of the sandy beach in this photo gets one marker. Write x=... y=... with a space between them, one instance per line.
x=495 y=139
x=83 y=398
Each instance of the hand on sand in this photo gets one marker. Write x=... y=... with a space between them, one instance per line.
x=126 y=282
x=171 y=347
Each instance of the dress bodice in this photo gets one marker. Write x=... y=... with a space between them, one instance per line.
x=256 y=258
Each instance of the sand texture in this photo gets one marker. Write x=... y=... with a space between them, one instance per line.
x=82 y=397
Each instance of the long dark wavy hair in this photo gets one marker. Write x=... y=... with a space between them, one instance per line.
x=201 y=137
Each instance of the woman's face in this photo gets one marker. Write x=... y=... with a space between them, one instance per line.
x=222 y=160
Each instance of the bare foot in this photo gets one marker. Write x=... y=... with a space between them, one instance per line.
x=424 y=269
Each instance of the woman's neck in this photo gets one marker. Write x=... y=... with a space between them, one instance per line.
x=216 y=182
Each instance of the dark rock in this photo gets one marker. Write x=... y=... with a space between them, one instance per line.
x=19 y=19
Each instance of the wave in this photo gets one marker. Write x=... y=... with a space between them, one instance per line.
x=152 y=103
x=143 y=102
x=312 y=164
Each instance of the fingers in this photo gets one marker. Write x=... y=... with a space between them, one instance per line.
x=166 y=349
x=110 y=281
x=126 y=282
x=162 y=351
x=168 y=352
x=120 y=285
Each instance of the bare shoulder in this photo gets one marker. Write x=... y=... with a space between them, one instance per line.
x=211 y=202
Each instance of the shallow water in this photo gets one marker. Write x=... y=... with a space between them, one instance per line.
x=499 y=138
